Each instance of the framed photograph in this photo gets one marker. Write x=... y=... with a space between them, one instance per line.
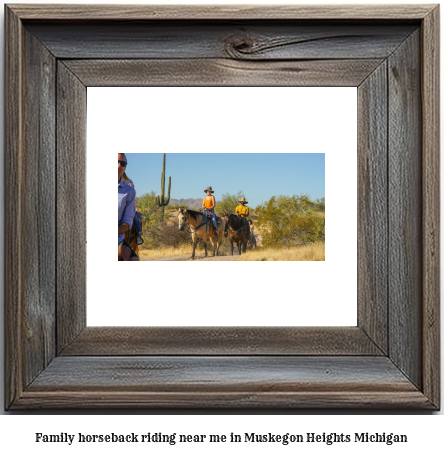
x=389 y=359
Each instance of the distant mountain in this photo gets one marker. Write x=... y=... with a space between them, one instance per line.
x=190 y=202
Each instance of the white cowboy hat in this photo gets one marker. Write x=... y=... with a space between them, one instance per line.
x=242 y=200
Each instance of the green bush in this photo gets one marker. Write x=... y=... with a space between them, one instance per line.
x=288 y=221
x=152 y=219
x=176 y=206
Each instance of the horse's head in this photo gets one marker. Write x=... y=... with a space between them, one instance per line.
x=183 y=217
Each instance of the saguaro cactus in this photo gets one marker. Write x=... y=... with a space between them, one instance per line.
x=160 y=200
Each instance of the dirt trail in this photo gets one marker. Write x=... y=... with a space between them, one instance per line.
x=198 y=257
x=201 y=256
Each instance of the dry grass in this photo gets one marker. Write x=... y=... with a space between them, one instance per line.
x=164 y=252
x=181 y=250
x=309 y=252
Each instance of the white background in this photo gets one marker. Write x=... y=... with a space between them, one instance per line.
x=17 y=431
x=309 y=120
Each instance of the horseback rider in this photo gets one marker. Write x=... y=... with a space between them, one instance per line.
x=137 y=215
x=252 y=236
x=242 y=210
x=208 y=204
x=126 y=211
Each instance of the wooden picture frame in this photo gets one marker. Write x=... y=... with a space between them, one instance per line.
x=390 y=360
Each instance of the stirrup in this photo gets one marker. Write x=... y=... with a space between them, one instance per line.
x=139 y=240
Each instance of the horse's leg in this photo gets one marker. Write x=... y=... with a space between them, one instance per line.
x=232 y=246
x=219 y=242
x=205 y=245
x=213 y=244
x=240 y=246
x=194 y=239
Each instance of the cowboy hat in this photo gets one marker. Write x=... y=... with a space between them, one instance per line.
x=209 y=189
x=242 y=200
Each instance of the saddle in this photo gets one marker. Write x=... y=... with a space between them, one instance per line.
x=209 y=222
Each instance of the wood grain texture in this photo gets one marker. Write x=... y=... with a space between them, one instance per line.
x=372 y=207
x=405 y=209
x=431 y=205
x=38 y=223
x=126 y=341
x=220 y=12
x=71 y=207
x=246 y=401
x=221 y=72
x=234 y=382
x=13 y=208
x=30 y=205
x=266 y=40
x=407 y=378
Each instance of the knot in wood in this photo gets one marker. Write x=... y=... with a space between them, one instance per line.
x=238 y=46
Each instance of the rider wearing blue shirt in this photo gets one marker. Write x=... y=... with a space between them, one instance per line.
x=126 y=211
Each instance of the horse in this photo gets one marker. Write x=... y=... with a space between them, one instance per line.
x=131 y=238
x=201 y=228
x=238 y=230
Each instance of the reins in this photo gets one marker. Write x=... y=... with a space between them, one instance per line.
x=204 y=221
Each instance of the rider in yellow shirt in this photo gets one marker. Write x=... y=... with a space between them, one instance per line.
x=242 y=210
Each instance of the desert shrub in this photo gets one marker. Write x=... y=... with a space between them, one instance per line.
x=152 y=220
x=319 y=204
x=175 y=206
x=289 y=221
x=169 y=235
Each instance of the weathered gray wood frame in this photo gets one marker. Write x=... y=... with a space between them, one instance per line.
x=390 y=360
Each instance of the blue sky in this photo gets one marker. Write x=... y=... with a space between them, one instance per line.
x=260 y=176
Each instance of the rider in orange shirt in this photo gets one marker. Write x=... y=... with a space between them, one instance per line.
x=209 y=203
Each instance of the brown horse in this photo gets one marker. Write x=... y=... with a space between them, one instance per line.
x=238 y=230
x=131 y=238
x=201 y=227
